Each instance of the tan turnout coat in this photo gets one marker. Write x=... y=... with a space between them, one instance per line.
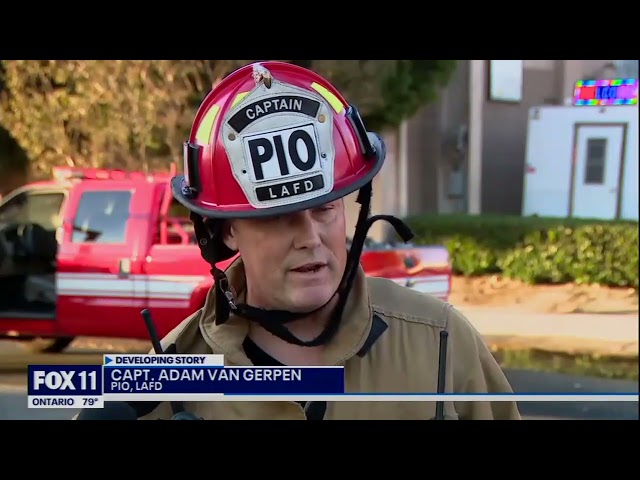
x=388 y=342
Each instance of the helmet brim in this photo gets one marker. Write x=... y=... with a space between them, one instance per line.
x=178 y=182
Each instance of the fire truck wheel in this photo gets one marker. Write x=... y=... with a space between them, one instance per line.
x=50 y=345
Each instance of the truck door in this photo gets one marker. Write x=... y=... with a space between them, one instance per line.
x=98 y=258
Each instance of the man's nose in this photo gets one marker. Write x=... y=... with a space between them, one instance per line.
x=307 y=234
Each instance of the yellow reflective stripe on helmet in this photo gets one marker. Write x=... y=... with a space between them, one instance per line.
x=205 y=130
x=239 y=97
x=329 y=97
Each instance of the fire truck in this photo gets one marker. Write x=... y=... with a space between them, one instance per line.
x=85 y=252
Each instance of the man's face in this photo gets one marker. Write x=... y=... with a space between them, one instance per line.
x=293 y=262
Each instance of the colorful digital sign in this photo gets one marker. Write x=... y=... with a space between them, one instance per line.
x=606 y=92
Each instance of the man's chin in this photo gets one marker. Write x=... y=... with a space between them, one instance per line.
x=309 y=301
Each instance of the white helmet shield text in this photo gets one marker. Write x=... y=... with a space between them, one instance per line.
x=279 y=141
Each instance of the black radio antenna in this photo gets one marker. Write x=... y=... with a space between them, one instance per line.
x=153 y=333
x=177 y=407
x=442 y=371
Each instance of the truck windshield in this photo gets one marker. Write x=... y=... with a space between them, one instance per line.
x=102 y=217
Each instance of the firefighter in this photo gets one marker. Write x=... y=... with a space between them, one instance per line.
x=273 y=151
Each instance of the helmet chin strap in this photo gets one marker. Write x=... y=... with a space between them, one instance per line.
x=274 y=320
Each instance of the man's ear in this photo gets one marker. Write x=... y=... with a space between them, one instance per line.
x=228 y=236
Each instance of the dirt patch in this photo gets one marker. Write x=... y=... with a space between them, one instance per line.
x=566 y=345
x=496 y=291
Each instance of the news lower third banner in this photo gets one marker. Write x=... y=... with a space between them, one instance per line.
x=204 y=378
x=172 y=377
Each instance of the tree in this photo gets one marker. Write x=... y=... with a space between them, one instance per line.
x=137 y=113
x=63 y=111
x=102 y=113
x=385 y=91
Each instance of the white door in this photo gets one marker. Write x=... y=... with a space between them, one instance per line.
x=597 y=173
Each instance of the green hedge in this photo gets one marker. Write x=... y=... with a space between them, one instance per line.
x=535 y=249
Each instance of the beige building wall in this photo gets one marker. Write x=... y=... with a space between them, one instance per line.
x=386 y=185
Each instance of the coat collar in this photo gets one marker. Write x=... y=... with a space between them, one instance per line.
x=227 y=339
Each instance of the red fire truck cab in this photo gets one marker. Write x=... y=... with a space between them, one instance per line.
x=84 y=253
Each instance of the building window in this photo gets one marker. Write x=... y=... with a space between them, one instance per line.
x=626 y=68
x=596 y=151
x=505 y=80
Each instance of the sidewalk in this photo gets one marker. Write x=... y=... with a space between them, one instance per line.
x=605 y=334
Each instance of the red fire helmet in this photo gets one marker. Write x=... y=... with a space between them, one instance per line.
x=273 y=138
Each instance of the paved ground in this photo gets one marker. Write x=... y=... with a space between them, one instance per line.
x=614 y=334
x=608 y=327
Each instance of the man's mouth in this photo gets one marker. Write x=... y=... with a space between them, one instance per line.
x=309 y=267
